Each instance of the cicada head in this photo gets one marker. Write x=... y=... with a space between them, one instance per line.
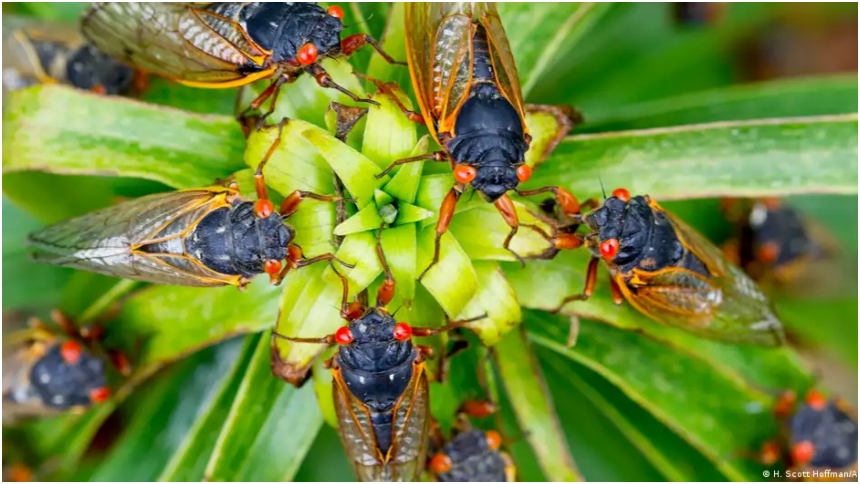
x=375 y=342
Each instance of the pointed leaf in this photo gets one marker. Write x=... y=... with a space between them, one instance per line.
x=533 y=406
x=404 y=184
x=366 y=219
x=120 y=137
x=388 y=135
x=451 y=293
x=400 y=247
x=264 y=416
x=496 y=299
x=408 y=213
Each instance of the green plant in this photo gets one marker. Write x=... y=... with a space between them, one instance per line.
x=668 y=123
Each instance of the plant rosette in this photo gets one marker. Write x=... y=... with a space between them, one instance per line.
x=467 y=282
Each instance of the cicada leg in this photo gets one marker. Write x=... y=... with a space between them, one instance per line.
x=568 y=202
x=386 y=291
x=356 y=41
x=590 y=282
x=388 y=88
x=446 y=213
x=438 y=156
x=324 y=80
x=505 y=206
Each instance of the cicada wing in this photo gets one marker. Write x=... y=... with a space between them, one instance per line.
x=21 y=350
x=356 y=430
x=104 y=241
x=408 y=453
x=179 y=41
x=438 y=41
x=500 y=52
x=35 y=52
x=741 y=311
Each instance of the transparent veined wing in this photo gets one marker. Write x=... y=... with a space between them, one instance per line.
x=194 y=44
x=107 y=241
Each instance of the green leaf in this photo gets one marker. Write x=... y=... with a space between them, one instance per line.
x=366 y=219
x=495 y=299
x=388 y=134
x=187 y=464
x=814 y=96
x=404 y=184
x=120 y=137
x=482 y=232
x=534 y=408
x=394 y=43
x=451 y=295
x=407 y=213
x=266 y=415
x=400 y=247
x=658 y=380
x=142 y=451
x=164 y=323
x=541 y=35
x=353 y=168
x=744 y=158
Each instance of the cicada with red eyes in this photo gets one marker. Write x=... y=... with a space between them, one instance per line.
x=51 y=53
x=470 y=455
x=47 y=371
x=774 y=242
x=198 y=237
x=468 y=89
x=667 y=271
x=819 y=437
x=225 y=44
x=380 y=389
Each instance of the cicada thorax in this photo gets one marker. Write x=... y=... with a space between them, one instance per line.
x=489 y=133
x=381 y=396
x=57 y=54
x=646 y=239
x=44 y=374
x=471 y=456
x=229 y=240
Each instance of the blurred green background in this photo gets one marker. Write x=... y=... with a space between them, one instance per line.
x=626 y=67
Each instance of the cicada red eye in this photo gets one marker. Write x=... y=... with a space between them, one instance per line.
x=343 y=335
x=272 y=267
x=816 y=400
x=609 y=249
x=264 y=208
x=464 y=173
x=335 y=11
x=524 y=172
x=621 y=194
x=99 y=395
x=494 y=440
x=440 y=464
x=307 y=54
x=402 y=331
x=71 y=352
x=802 y=453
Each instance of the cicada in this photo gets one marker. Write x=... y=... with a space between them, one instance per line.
x=470 y=455
x=668 y=271
x=819 y=438
x=46 y=372
x=774 y=242
x=225 y=44
x=380 y=386
x=471 y=101
x=48 y=53
x=197 y=237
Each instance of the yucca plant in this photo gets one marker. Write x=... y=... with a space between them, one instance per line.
x=664 y=116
